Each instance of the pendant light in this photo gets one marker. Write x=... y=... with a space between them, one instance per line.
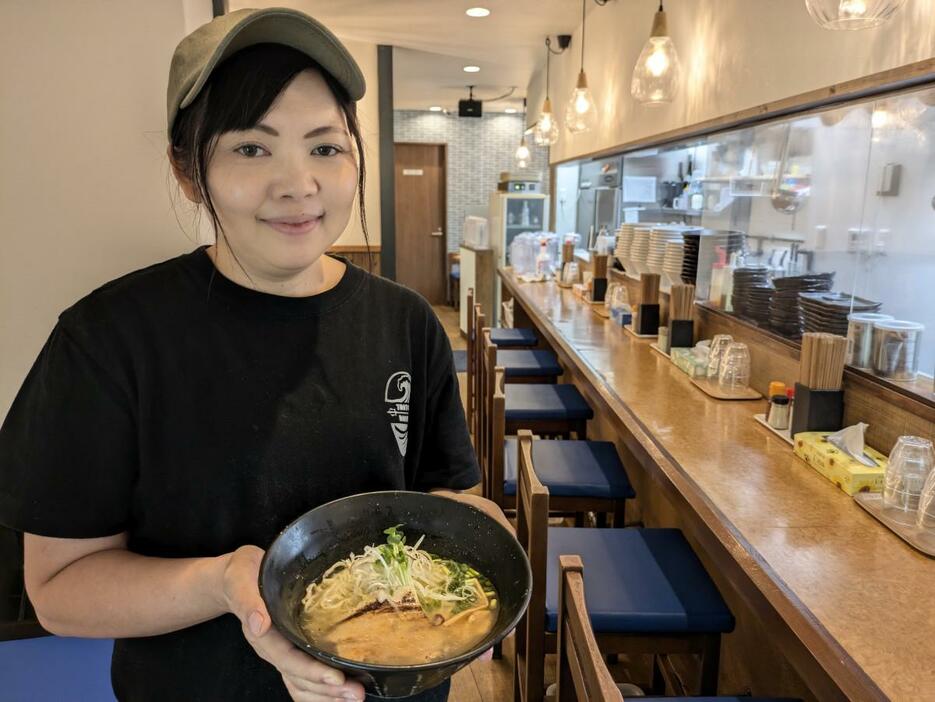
x=521 y=156
x=852 y=14
x=581 y=113
x=546 y=133
x=656 y=75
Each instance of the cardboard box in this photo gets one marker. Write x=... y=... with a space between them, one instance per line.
x=847 y=473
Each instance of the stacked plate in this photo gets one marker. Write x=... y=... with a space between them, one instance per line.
x=658 y=239
x=672 y=263
x=827 y=311
x=785 y=316
x=691 y=242
x=622 y=250
x=639 y=249
x=752 y=293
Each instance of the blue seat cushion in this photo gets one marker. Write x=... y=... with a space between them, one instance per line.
x=504 y=338
x=51 y=668
x=637 y=581
x=544 y=402
x=571 y=468
x=525 y=363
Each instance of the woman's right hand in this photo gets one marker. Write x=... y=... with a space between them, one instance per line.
x=306 y=679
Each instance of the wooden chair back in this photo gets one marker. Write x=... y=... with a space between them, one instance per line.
x=470 y=359
x=480 y=322
x=532 y=523
x=582 y=673
x=493 y=480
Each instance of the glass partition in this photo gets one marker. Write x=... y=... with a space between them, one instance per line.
x=805 y=220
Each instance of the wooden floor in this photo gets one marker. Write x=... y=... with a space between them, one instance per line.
x=481 y=681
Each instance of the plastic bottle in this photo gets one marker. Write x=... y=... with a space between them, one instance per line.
x=543 y=260
x=524 y=218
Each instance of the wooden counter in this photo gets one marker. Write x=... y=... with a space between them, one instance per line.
x=845 y=603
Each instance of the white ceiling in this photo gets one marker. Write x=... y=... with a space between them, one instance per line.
x=434 y=40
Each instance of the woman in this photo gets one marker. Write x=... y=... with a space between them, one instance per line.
x=180 y=416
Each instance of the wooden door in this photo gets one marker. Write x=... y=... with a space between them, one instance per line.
x=420 y=219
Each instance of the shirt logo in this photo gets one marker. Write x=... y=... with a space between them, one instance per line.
x=398 y=389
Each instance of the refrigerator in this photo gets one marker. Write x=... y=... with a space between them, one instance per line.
x=510 y=214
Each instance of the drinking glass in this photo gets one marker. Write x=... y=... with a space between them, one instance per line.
x=718 y=345
x=734 y=372
x=910 y=463
x=926 y=516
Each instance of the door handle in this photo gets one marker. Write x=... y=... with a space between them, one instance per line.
x=437 y=232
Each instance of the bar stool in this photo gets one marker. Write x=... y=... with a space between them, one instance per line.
x=53 y=668
x=647 y=591
x=582 y=476
x=582 y=674
x=503 y=338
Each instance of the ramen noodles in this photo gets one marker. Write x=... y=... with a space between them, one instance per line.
x=396 y=604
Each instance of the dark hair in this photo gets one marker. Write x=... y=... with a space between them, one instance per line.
x=238 y=94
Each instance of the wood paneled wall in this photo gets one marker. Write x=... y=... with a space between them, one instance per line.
x=364 y=257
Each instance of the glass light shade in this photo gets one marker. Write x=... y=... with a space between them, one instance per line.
x=581 y=112
x=657 y=72
x=546 y=133
x=852 y=14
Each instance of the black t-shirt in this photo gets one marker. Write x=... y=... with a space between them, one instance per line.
x=198 y=416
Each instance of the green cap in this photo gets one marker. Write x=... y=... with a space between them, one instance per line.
x=198 y=54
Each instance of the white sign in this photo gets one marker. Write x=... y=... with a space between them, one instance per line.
x=412 y=171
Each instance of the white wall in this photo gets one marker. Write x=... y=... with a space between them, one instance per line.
x=368 y=113
x=85 y=190
x=734 y=54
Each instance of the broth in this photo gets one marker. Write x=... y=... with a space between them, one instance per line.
x=398 y=605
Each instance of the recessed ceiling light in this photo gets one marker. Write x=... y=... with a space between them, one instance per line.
x=510 y=110
x=435 y=108
x=471 y=69
x=477 y=12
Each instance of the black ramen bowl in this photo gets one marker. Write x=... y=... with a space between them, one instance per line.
x=326 y=534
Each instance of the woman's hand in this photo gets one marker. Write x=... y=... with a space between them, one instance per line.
x=306 y=679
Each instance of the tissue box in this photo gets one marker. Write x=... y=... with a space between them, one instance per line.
x=686 y=360
x=842 y=470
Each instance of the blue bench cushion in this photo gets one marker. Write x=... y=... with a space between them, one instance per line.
x=52 y=668
x=544 y=402
x=637 y=581
x=571 y=468
x=504 y=338
x=527 y=364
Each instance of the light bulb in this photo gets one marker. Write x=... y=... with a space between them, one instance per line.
x=522 y=151
x=657 y=71
x=658 y=62
x=581 y=112
x=852 y=8
x=546 y=133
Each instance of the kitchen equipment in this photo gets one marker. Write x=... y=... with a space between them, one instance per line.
x=326 y=534
x=911 y=461
x=860 y=338
x=896 y=345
